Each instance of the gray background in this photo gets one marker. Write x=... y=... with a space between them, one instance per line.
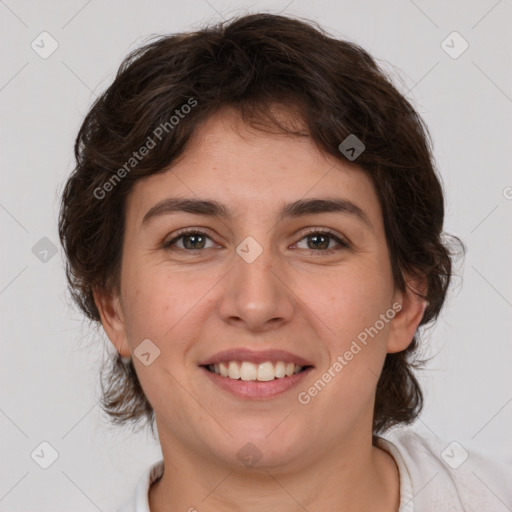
x=50 y=359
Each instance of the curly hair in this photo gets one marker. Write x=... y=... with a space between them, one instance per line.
x=251 y=63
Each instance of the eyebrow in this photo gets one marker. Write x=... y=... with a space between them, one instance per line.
x=212 y=208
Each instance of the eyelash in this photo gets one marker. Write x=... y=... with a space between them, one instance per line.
x=191 y=231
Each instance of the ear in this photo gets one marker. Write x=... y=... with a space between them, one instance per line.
x=407 y=319
x=112 y=319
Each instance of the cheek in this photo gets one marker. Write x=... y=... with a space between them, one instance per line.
x=351 y=301
x=356 y=342
x=159 y=304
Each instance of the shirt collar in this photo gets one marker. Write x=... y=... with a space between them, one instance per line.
x=151 y=475
x=406 y=494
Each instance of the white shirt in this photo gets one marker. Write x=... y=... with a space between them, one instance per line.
x=435 y=476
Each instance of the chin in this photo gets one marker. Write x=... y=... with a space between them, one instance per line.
x=259 y=445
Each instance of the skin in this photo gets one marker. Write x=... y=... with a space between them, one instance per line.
x=294 y=297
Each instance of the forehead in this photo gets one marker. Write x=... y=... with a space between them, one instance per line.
x=253 y=172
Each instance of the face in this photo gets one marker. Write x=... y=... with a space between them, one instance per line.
x=279 y=282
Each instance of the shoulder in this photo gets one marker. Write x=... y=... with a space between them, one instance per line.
x=437 y=474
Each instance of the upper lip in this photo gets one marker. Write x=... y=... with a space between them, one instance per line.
x=255 y=356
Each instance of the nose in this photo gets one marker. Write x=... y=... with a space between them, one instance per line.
x=256 y=296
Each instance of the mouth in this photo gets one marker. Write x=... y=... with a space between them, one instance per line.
x=250 y=381
x=251 y=372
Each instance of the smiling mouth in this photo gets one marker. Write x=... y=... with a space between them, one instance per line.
x=262 y=372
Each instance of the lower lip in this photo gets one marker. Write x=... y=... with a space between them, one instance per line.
x=257 y=389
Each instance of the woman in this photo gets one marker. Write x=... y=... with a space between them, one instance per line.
x=256 y=221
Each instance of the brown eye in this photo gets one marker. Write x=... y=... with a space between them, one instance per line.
x=190 y=241
x=321 y=241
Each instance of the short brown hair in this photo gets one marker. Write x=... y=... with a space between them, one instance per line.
x=250 y=63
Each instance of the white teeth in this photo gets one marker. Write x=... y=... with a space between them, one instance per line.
x=249 y=371
x=233 y=371
x=280 y=370
x=265 y=371
x=223 y=370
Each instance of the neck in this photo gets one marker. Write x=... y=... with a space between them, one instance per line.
x=349 y=478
